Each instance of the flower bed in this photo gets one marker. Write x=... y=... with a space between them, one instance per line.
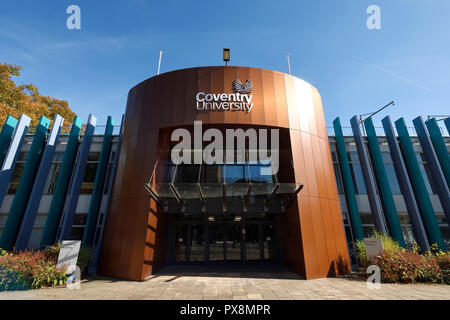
x=399 y=265
x=29 y=270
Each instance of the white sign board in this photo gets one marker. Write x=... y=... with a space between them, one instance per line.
x=68 y=255
x=373 y=247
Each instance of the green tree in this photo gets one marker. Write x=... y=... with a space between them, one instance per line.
x=17 y=99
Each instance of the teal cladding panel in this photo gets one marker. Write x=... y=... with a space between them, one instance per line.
x=439 y=147
x=20 y=201
x=6 y=136
x=62 y=185
x=99 y=183
x=387 y=200
x=349 y=189
x=422 y=197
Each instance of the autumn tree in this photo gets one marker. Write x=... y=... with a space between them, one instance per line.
x=17 y=99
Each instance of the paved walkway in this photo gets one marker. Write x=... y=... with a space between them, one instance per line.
x=238 y=282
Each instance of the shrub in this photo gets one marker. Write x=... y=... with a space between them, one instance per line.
x=407 y=266
x=52 y=252
x=29 y=269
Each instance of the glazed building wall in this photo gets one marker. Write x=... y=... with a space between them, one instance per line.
x=361 y=193
x=47 y=196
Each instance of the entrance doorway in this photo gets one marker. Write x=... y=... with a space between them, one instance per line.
x=223 y=240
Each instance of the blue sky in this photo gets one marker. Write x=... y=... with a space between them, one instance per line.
x=356 y=70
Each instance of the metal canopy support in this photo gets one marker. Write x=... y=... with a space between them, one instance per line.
x=274 y=191
x=35 y=196
x=433 y=163
x=153 y=194
x=293 y=197
x=246 y=198
x=369 y=180
x=202 y=198
x=418 y=184
x=177 y=195
x=405 y=185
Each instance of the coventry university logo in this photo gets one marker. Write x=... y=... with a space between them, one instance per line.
x=240 y=87
x=240 y=100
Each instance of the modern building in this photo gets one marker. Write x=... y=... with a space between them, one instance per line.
x=125 y=191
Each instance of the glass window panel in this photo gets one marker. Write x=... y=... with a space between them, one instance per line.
x=94 y=156
x=358 y=179
x=235 y=173
x=108 y=178
x=427 y=178
x=58 y=156
x=80 y=219
x=338 y=178
x=89 y=174
x=333 y=156
x=258 y=173
x=211 y=174
x=386 y=157
x=15 y=178
x=52 y=178
x=22 y=156
x=187 y=173
x=353 y=157
x=392 y=178
x=86 y=187
x=76 y=233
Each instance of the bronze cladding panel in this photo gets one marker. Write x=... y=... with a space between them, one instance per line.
x=135 y=237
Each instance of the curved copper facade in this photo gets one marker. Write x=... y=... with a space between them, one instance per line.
x=313 y=237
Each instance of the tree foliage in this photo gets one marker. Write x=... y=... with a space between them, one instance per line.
x=17 y=99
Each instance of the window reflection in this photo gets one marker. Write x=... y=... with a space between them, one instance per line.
x=357 y=175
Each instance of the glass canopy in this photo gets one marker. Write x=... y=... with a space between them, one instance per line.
x=221 y=188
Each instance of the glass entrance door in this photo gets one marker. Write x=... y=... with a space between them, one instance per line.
x=268 y=241
x=224 y=241
x=259 y=244
x=252 y=243
x=189 y=243
x=232 y=248
x=216 y=242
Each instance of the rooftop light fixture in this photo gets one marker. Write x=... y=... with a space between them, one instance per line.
x=226 y=55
